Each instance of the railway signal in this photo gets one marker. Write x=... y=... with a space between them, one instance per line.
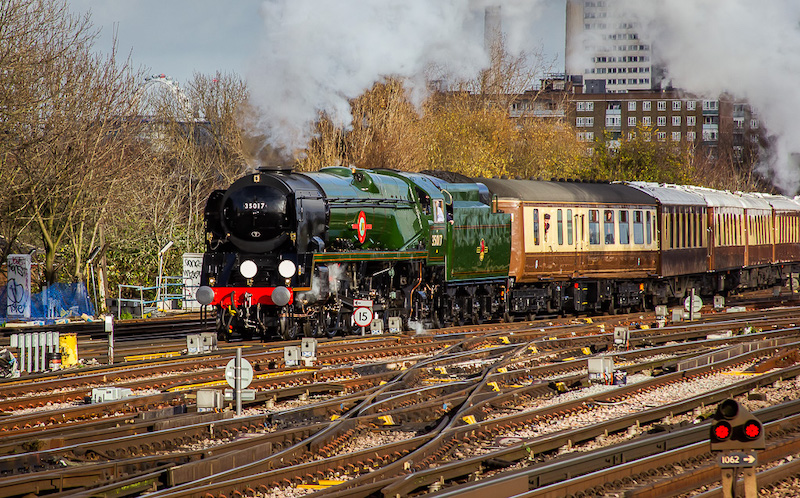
x=737 y=433
x=735 y=428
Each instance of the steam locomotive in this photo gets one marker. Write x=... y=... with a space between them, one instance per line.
x=326 y=253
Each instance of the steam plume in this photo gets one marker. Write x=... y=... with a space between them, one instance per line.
x=317 y=54
x=748 y=49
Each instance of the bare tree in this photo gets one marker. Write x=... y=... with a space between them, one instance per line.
x=66 y=137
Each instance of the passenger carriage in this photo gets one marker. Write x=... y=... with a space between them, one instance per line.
x=577 y=246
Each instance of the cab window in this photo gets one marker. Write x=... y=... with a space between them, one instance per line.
x=438 y=211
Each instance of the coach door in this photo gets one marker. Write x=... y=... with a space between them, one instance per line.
x=579 y=226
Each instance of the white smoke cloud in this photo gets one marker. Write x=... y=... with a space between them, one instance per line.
x=748 y=49
x=317 y=54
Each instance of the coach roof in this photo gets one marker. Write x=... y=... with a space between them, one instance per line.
x=561 y=191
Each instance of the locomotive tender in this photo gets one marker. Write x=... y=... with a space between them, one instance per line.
x=292 y=254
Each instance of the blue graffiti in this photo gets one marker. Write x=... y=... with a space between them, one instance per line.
x=17 y=297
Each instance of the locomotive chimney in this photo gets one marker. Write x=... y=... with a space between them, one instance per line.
x=276 y=167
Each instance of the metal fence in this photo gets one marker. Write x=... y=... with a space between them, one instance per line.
x=165 y=295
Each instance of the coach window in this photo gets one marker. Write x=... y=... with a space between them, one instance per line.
x=725 y=230
x=608 y=226
x=638 y=228
x=570 y=239
x=560 y=226
x=671 y=230
x=684 y=229
x=648 y=228
x=536 y=226
x=624 y=233
x=594 y=226
x=759 y=230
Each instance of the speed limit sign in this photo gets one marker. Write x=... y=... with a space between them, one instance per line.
x=362 y=316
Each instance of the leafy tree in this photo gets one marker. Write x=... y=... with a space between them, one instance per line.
x=465 y=136
x=641 y=157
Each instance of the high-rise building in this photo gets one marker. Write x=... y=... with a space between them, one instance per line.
x=604 y=52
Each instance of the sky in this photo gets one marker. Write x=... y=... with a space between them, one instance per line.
x=303 y=56
x=180 y=37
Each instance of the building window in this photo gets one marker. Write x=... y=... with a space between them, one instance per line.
x=710 y=135
x=691 y=136
x=632 y=105
x=632 y=121
x=662 y=136
x=753 y=124
x=676 y=120
x=676 y=136
x=585 y=106
x=676 y=105
x=662 y=121
x=710 y=105
x=586 y=122
x=647 y=121
x=690 y=106
x=662 y=105
x=613 y=121
x=691 y=120
x=646 y=105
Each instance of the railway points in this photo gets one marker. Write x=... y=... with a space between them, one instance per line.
x=490 y=408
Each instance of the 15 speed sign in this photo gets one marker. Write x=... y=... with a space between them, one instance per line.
x=362 y=316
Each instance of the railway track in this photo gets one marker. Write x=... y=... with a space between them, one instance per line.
x=405 y=416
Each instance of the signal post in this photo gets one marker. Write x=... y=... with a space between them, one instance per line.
x=736 y=434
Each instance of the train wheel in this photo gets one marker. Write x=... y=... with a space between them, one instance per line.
x=612 y=307
x=342 y=324
x=288 y=330
x=324 y=325
x=223 y=325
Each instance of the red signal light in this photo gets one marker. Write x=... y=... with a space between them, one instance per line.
x=722 y=431
x=752 y=429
